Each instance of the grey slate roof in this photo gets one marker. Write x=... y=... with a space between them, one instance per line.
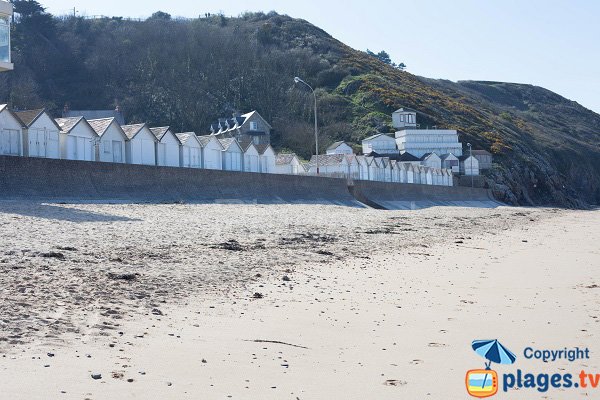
x=28 y=117
x=132 y=130
x=96 y=114
x=100 y=125
x=284 y=159
x=67 y=124
x=262 y=148
x=184 y=137
x=205 y=139
x=227 y=143
x=159 y=132
x=327 y=159
x=481 y=152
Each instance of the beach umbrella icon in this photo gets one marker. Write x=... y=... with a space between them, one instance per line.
x=493 y=351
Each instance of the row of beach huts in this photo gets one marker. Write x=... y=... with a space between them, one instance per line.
x=239 y=143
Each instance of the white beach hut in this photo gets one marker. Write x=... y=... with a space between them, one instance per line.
x=353 y=167
x=190 y=150
x=11 y=133
x=140 y=147
x=167 y=147
x=288 y=163
x=41 y=133
x=363 y=168
x=410 y=173
x=251 y=159
x=431 y=160
x=78 y=140
x=212 y=157
x=111 y=147
x=232 y=154
x=266 y=158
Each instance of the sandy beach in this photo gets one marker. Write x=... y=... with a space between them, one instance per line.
x=177 y=301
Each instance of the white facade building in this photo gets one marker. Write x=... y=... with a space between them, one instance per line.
x=41 y=133
x=111 y=147
x=140 y=147
x=421 y=141
x=381 y=144
x=77 y=139
x=6 y=11
x=404 y=118
x=190 y=150
x=339 y=148
x=167 y=147
x=11 y=133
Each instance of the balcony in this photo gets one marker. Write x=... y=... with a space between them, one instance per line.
x=5 y=15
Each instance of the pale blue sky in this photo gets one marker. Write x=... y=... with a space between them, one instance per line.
x=550 y=43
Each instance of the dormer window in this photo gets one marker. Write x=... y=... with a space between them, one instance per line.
x=253 y=126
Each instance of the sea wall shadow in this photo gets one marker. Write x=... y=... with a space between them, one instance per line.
x=58 y=212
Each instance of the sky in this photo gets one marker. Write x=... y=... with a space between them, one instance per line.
x=551 y=43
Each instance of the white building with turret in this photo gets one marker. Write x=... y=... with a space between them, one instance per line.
x=418 y=142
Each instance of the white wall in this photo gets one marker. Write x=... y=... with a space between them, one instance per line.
x=79 y=143
x=382 y=144
x=267 y=161
x=168 y=151
x=11 y=135
x=191 y=154
x=112 y=145
x=341 y=149
x=211 y=155
x=140 y=149
x=232 y=158
x=251 y=163
x=421 y=141
x=43 y=139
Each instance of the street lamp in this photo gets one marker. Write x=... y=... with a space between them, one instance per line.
x=298 y=80
x=471 y=157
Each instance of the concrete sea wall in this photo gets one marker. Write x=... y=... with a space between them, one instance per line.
x=66 y=180
x=405 y=196
x=37 y=178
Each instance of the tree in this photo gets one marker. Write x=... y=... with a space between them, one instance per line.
x=383 y=56
x=28 y=8
x=161 y=15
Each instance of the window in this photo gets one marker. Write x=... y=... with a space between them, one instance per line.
x=107 y=147
x=253 y=126
x=4 y=39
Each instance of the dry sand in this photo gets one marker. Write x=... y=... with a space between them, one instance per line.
x=366 y=304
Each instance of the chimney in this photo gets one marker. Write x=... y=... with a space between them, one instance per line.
x=237 y=114
x=66 y=110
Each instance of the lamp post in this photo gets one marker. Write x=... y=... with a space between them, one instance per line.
x=298 y=80
x=471 y=158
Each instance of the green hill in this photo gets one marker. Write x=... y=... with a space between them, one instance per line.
x=186 y=73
